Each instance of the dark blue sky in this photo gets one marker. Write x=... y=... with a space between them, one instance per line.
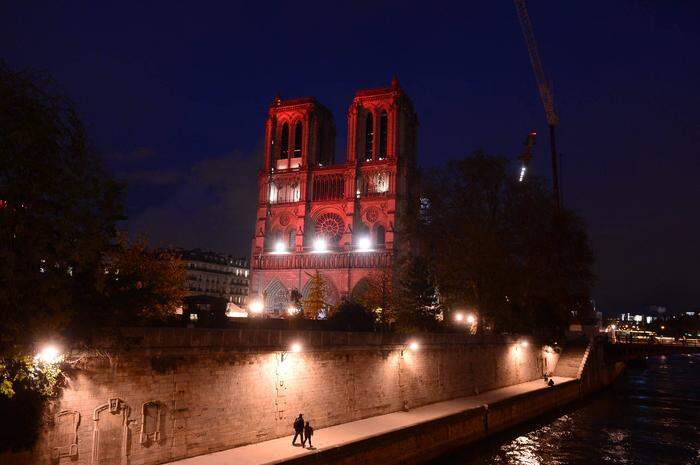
x=175 y=95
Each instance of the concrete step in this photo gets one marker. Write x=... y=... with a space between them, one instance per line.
x=570 y=361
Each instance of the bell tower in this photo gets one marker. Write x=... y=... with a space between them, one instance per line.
x=298 y=133
x=382 y=126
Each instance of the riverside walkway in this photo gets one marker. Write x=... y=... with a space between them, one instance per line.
x=280 y=450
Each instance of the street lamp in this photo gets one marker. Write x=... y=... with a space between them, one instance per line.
x=48 y=354
x=459 y=317
x=364 y=244
x=471 y=319
x=256 y=306
x=280 y=247
x=320 y=245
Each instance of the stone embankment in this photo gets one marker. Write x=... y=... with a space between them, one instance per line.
x=426 y=432
x=155 y=395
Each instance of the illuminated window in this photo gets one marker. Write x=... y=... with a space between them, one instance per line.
x=194 y=317
x=284 y=142
x=297 y=140
x=369 y=137
x=285 y=192
x=383 y=122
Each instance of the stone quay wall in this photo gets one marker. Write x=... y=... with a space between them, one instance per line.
x=162 y=394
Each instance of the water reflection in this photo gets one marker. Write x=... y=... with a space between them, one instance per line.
x=650 y=416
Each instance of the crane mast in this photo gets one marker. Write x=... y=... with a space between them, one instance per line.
x=543 y=87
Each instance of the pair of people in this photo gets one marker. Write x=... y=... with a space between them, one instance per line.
x=302 y=430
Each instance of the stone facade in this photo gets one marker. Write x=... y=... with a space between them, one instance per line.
x=342 y=220
x=216 y=275
x=179 y=393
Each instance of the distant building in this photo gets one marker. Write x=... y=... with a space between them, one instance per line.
x=213 y=277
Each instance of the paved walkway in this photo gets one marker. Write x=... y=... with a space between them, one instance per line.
x=276 y=450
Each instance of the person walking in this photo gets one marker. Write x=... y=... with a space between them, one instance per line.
x=298 y=430
x=308 y=432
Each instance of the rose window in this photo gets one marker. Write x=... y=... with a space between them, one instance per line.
x=330 y=226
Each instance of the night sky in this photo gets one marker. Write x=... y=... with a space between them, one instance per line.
x=175 y=96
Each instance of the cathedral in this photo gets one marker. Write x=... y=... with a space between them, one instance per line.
x=340 y=219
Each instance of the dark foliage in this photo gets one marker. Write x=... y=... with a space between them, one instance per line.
x=352 y=316
x=504 y=248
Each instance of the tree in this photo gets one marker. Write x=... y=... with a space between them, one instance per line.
x=315 y=302
x=418 y=305
x=504 y=247
x=58 y=211
x=140 y=286
x=375 y=292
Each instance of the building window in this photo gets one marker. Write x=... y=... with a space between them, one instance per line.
x=284 y=142
x=285 y=192
x=379 y=236
x=194 y=317
x=383 y=122
x=297 y=139
x=329 y=187
x=292 y=239
x=369 y=137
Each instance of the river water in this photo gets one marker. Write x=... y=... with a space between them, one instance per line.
x=649 y=416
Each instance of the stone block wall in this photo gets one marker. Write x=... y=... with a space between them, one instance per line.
x=166 y=394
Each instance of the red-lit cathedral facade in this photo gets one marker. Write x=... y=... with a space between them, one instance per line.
x=342 y=220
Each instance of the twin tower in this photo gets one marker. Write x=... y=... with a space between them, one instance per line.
x=343 y=220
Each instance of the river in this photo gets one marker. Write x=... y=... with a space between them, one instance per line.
x=649 y=416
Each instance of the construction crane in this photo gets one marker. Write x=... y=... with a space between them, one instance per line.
x=543 y=86
x=526 y=156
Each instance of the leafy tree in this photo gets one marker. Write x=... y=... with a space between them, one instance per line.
x=418 y=306
x=315 y=302
x=376 y=294
x=504 y=247
x=352 y=316
x=58 y=211
x=140 y=286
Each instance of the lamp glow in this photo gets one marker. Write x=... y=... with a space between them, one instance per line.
x=364 y=244
x=48 y=354
x=291 y=310
x=256 y=306
x=280 y=247
x=413 y=346
x=295 y=347
x=524 y=344
x=471 y=319
x=459 y=316
x=320 y=245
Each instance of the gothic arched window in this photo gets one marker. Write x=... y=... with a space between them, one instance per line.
x=284 y=142
x=297 y=140
x=292 y=239
x=383 y=124
x=369 y=137
x=379 y=236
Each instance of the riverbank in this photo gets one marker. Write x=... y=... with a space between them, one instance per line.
x=408 y=437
